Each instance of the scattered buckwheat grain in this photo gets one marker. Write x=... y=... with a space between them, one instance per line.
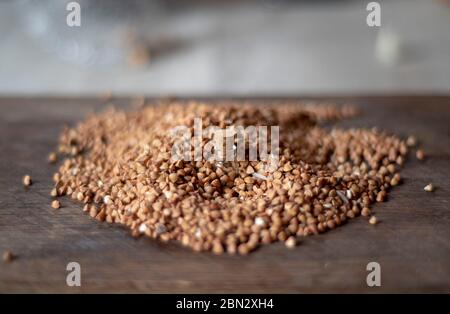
x=291 y=242
x=373 y=220
x=411 y=141
x=429 y=187
x=7 y=256
x=119 y=166
x=420 y=154
x=26 y=180
x=56 y=204
x=52 y=158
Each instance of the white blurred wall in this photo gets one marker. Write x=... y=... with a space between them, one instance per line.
x=257 y=49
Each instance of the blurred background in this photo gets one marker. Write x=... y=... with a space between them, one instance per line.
x=194 y=47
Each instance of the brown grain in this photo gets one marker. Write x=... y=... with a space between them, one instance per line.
x=119 y=165
x=56 y=204
x=26 y=180
x=420 y=155
x=7 y=256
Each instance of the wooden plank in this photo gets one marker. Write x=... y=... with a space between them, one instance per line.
x=411 y=243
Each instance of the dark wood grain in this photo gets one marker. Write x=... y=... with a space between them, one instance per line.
x=412 y=242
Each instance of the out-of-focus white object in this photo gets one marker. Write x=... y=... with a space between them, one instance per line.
x=100 y=40
x=388 y=47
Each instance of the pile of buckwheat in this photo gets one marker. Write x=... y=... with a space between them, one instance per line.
x=119 y=165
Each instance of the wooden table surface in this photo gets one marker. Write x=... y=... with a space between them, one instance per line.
x=411 y=243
